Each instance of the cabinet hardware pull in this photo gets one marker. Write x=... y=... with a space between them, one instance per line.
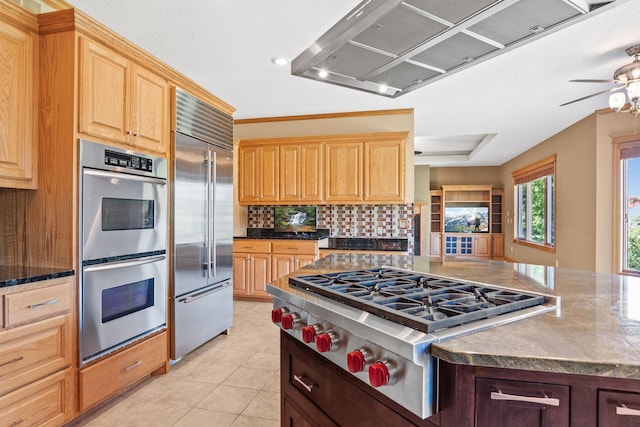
x=136 y=134
x=129 y=132
x=549 y=401
x=307 y=387
x=9 y=362
x=40 y=304
x=135 y=365
x=623 y=410
x=17 y=422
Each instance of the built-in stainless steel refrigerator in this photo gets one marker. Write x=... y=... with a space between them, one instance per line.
x=202 y=225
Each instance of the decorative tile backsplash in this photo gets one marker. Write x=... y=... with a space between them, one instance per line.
x=364 y=221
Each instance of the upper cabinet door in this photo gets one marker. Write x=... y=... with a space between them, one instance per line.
x=104 y=87
x=384 y=173
x=18 y=108
x=301 y=173
x=150 y=110
x=343 y=171
x=121 y=101
x=248 y=188
x=268 y=170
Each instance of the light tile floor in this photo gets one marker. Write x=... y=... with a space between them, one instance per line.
x=233 y=380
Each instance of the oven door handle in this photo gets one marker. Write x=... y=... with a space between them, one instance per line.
x=124 y=264
x=117 y=175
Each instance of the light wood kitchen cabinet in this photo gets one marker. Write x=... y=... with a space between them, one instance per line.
x=121 y=101
x=290 y=255
x=343 y=172
x=106 y=377
x=18 y=106
x=258 y=167
x=436 y=244
x=251 y=268
x=384 y=171
x=36 y=353
x=301 y=173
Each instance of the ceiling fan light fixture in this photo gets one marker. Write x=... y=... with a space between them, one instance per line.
x=617 y=101
x=633 y=91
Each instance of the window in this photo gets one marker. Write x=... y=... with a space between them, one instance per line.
x=534 y=200
x=628 y=156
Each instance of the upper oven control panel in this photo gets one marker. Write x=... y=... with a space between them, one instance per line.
x=129 y=161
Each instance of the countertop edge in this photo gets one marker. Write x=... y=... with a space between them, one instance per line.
x=36 y=278
x=538 y=364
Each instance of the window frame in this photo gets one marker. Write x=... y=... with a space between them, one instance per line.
x=526 y=175
x=620 y=144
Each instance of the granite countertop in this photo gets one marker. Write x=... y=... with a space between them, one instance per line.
x=596 y=333
x=12 y=275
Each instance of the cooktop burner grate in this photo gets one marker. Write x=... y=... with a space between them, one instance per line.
x=417 y=300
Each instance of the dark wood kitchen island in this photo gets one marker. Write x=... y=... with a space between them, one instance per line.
x=576 y=367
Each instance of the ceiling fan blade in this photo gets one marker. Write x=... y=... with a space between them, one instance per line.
x=593 y=81
x=613 y=89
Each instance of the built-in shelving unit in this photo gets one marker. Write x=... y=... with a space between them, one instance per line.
x=486 y=241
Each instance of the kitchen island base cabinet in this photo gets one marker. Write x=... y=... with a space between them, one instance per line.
x=315 y=392
x=473 y=396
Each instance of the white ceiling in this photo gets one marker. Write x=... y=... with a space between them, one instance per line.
x=497 y=108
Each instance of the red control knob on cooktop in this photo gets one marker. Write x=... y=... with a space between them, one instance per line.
x=276 y=314
x=309 y=334
x=324 y=342
x=356 y=361
x=288 y=320
x=378 y=374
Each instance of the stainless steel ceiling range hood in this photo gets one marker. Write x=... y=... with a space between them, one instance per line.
x=392 y=47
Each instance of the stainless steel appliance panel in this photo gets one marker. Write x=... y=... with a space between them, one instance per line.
x=203 y=215
x=199 y=316
x=123 y=208
x=121 y=301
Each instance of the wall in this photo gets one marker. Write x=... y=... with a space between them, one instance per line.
x=326 y=124
x=575 y=180
x=481 y=175
x=422 y=174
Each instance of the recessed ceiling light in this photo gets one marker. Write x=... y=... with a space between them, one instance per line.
x=280 y=60
x=383 y=88
x=323 y=74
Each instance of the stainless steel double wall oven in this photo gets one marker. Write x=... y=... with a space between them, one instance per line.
x=123 y=226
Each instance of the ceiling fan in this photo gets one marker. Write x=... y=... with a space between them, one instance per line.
x=628 y=77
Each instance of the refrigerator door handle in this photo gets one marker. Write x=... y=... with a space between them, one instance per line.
x=207 y=237
x=212 y=204
x=203 y=294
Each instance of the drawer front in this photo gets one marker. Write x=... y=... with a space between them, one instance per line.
x=43 y=403
x=253 y=246
x=27 y=306
x=309 y=378
x=618 y=409
x=294 y=247
x=33 y=351
x=116 y=372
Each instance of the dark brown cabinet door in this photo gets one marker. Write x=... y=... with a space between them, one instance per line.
x=506 y=403
x=618 y=409
x=294 y=417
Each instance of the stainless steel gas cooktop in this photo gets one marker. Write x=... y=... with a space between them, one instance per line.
x=421 y=301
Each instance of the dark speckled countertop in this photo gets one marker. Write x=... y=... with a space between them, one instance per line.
x=596 y=333
x=341 y=243
x=11 y=275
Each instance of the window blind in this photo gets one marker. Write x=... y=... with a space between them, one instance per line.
x=537 y=170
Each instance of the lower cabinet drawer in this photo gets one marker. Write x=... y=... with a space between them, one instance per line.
x=34 y=304
x=46 y=402
x=294 y=247
x=618 y=409
x=116 y=372
x=307 y=378
x=34 y=351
